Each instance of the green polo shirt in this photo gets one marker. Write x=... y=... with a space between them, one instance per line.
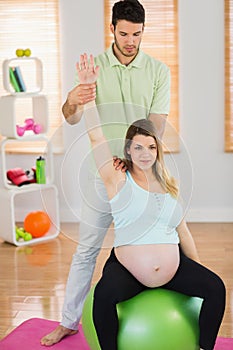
x=128 y=93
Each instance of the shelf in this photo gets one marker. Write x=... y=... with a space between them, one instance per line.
x=11 y=114
x=48 y=155
x=31 y=69
x=11 y=211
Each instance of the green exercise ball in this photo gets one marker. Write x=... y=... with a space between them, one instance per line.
x=156 y=319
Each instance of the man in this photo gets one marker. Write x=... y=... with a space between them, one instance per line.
x=131 y=85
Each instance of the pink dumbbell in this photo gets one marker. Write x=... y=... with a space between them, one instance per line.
x=29 y=125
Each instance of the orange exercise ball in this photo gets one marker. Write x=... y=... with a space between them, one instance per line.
x=37 y=223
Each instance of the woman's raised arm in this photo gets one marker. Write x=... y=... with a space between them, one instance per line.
x=88 y=73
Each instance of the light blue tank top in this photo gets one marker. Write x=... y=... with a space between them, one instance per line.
x=142 y=217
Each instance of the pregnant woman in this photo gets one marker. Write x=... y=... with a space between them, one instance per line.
x=153 y=246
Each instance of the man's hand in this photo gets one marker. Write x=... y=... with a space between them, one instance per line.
x=119 y=164
x=82 y=94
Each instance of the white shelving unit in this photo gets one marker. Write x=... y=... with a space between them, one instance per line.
x=5 y=164
x=9 y=107
x=32 y=71
x=40 y=197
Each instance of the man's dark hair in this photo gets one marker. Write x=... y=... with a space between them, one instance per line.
x=128 y=10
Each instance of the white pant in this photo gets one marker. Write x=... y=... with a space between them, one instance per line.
x=95 y=220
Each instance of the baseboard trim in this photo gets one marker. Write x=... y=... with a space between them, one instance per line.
x=193 y=215
x=210 y=215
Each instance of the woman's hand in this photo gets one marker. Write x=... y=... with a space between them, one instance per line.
x=87 y=72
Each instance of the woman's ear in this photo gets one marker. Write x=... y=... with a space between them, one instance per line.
x=128 y=153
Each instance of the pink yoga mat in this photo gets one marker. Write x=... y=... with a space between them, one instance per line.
x=27 y=336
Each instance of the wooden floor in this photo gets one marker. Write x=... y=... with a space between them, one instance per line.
x=33 y=278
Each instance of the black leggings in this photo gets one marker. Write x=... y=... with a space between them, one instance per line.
x=117 y=284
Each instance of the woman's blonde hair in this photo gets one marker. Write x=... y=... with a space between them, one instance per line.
x=146 y=127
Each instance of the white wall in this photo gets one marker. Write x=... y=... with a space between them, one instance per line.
x=209 y=172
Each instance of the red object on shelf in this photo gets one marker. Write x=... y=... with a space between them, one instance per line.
x=18 y=177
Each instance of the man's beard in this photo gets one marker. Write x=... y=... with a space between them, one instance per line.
x=125 y=53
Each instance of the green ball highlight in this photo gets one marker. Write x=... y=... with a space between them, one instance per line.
x=27 y=236
x=27 y=52
x=153 y=320
x=21 y=233
x=19 y=52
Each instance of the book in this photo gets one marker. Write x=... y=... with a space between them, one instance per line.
x=13 y=80
x=19 y=78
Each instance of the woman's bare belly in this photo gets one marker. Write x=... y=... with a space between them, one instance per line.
x=152 y=264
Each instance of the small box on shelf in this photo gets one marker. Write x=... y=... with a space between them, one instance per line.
x=5 y=161
x=15 y=205
x=22 y=75
x=11 y=116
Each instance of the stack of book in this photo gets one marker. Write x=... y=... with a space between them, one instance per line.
x=16 y=79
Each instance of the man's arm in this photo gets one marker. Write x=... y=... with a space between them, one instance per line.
x=76 y=99
x=159 y=121
x=161 y=101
